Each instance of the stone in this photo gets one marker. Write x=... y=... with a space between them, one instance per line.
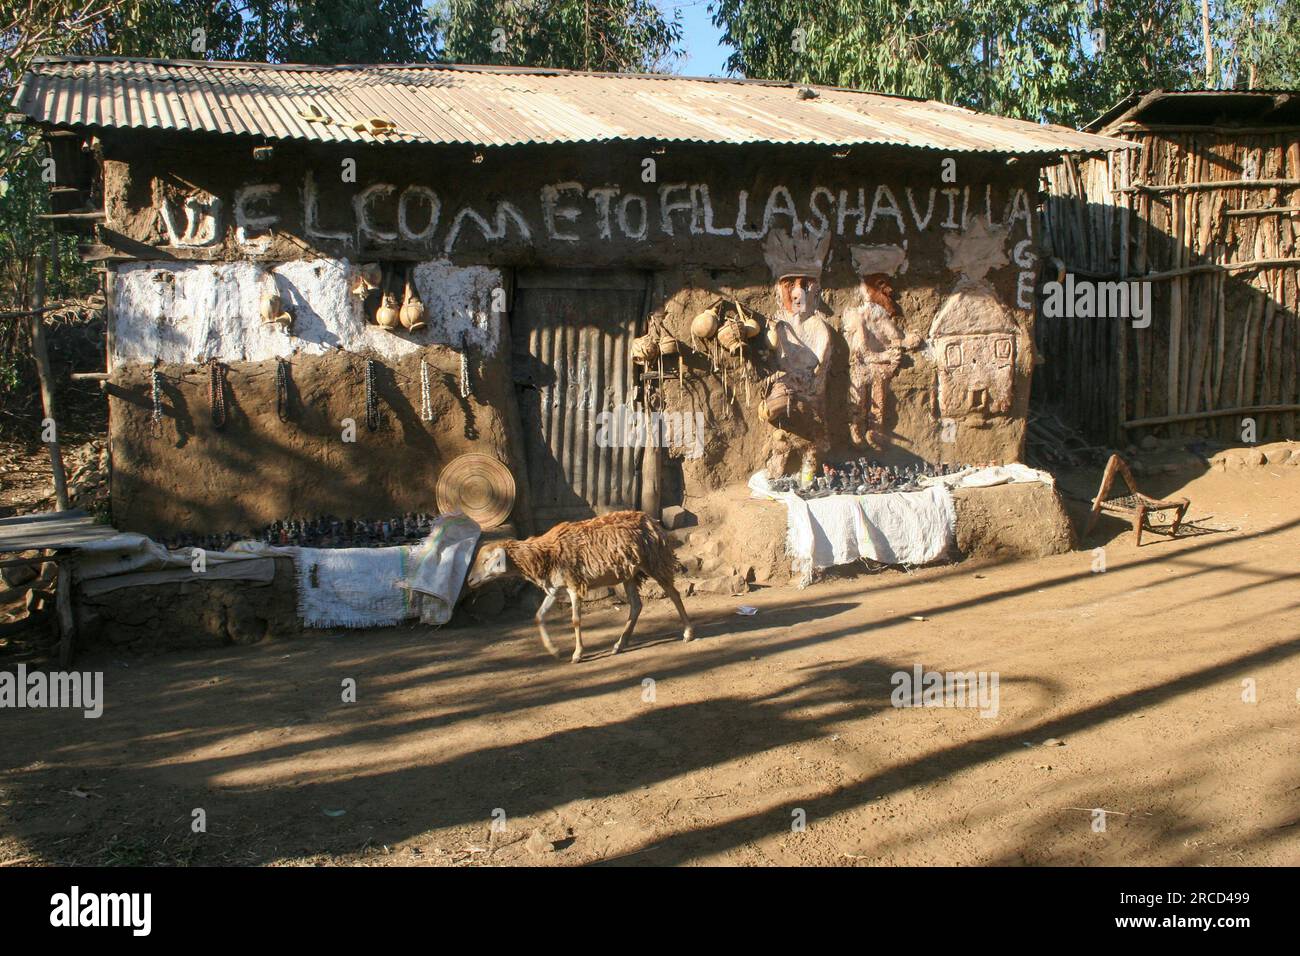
x=674 y=517
x=708 y=565
x=1150 y=442
x=538 y=844
x=723 y=584
x=18 y=576
x=487 y=602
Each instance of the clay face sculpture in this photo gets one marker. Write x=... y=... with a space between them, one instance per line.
x=974 y=334
x=800 y=295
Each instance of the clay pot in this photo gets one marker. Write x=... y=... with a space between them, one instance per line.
x=645 y=349
x=731 y=336
x=705 y=325
x=750 y=326
x=387 y=315
x=274 y=312
x=412 y=314
x=272 y=306
x=777 y=400
x=772 y=339
x=668 y=345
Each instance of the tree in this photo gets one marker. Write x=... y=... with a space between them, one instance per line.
x=1062 y=61
x=615 y=36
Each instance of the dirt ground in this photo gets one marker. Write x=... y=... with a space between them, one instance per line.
x=1136 y=676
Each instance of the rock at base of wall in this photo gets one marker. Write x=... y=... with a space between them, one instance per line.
x=191 y=614
x=1011 y=522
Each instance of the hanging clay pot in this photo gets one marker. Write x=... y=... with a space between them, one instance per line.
x=387 y=316
x=705 y=325
x=776 y=403
x=274 y=312
x=645 y=349
x=412 y=314
x=731 y=337
x=772 y=339
x=751 y=326
x=668 y=345
x=272 y=306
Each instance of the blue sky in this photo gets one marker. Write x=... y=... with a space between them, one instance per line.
x=705 y=54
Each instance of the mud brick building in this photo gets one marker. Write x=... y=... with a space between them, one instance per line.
x=262 y=226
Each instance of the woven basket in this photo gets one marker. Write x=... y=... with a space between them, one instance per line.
x=479 y=487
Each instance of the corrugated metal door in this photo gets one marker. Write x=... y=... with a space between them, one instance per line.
x=572 y=354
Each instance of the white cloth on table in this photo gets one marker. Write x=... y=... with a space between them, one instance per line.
x=904 y=527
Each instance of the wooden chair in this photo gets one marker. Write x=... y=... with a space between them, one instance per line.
x=1134 y=505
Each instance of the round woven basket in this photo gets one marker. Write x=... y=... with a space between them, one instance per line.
x=479 y=487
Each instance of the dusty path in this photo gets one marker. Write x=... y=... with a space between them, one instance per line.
x=1139 y=671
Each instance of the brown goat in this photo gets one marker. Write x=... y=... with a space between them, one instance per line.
x=623 y=547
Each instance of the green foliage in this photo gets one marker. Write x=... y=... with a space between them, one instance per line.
x=614 y=36
x=1061 y=61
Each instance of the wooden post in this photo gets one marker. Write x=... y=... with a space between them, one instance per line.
x=65 y=614
x=47 y=383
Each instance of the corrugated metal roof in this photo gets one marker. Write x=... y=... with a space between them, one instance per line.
x=1156 y=107
x=498 y=106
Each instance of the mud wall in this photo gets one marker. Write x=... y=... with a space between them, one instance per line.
x=210 y=231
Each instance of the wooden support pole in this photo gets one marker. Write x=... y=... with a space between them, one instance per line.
x=1213 y=413
x=42 y=358
x=1212 y=184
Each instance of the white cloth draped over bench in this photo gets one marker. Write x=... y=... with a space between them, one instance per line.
x=901 y=527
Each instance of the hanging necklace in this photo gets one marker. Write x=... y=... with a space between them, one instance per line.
x=426 y=404
x=156 y=414
x=464 y=368
x=282 y=389
x=216 y=394
x=372 y=402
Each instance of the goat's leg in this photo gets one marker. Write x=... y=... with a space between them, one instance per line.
x=575 y=599
x=541 y=620
x=688 y=632
x=633 y=612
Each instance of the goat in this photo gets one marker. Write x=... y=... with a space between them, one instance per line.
x=622 y=547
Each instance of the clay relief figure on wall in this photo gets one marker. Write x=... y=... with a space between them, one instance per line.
x=796 y=402
x=973 y=335
x=876 y=341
